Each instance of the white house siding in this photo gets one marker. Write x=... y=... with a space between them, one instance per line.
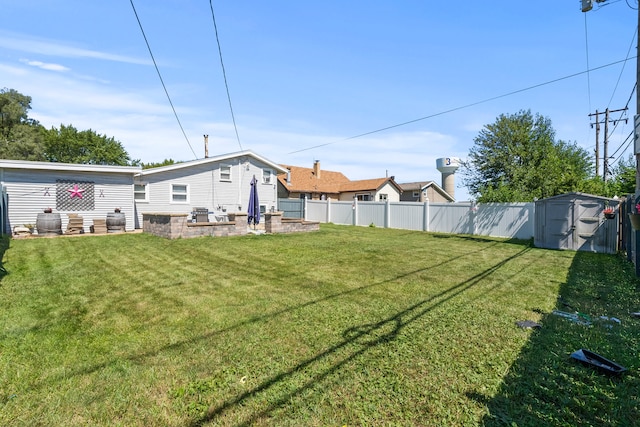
x=30 y=191
x=205 y=188
x=393 y=195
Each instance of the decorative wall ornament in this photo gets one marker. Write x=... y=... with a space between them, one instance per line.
x=74 y=195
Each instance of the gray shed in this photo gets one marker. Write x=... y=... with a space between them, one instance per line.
x=577 y=221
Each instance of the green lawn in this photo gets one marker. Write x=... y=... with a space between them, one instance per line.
x=347 y=326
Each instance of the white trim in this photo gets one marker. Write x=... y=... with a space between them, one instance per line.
x=230 y=178
x=267 y=173
x=145 y=192
x=173 y=192
x=222 y=158
x=27 y=164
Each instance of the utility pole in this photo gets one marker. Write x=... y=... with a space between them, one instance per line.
x=605 y=156
x=597 y=123
x=633 y=249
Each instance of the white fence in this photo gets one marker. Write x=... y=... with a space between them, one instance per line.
x=514 y=220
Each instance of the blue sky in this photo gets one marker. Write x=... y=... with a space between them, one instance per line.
x=306 y=77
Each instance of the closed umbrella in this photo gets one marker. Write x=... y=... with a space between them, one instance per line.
x=254 y=204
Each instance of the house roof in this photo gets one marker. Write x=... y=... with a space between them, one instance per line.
x=304 y=180
x=207 y=160
x=368 y=185
x=71 y=167
x=423 y=185
x=316 y=180
x=415 y=186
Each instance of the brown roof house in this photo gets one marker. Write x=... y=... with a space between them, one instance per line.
x=423 y=191
x=316 y=184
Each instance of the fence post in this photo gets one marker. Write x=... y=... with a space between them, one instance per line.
x=328 y=219
x=425 y=215
x=304 y=210
x=355 y=210
x=387 y=214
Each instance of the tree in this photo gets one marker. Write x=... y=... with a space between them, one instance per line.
x=68 y=145
x=21 y=138
x=517 y=159
x=624 y=176
x=165 y=162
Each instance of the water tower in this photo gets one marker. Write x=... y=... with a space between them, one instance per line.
x=447 y=167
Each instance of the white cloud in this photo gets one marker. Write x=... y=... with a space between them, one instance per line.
x=29 y=44
x=45 y=66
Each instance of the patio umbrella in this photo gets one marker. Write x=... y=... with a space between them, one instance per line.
x=254 y=204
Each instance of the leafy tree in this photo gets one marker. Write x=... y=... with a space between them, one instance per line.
x=21 y=138
x=517 y=159
x=624 y=176
x=68 y=145
x=165 y=162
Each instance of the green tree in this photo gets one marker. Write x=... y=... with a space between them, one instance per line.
x=68 y=145
x=21 y=138
x=165 y=162
x=624 y=176
x=517 y=159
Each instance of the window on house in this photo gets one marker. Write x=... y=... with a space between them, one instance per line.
x=179 y=193
x=266 y=176
x=225 y=173
x=383 y=197
x=416 y=194
x=140 y=193
x=363 y=197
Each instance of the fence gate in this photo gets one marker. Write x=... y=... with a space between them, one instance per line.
x=291 y=208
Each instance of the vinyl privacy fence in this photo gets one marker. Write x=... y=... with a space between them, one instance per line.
x=513 y=220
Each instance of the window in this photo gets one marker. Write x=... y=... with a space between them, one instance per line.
x=416 y=194
x=383 y=197
x=363 y=197
x=179 y=193
x=225 y=173
x=140 y=193
x=266 y=176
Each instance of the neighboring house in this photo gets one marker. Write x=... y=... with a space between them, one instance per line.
x=316 y=184
x=423 y=191
x=220 y=184
x=372 y=190
x=310 y=183
x=91 y=191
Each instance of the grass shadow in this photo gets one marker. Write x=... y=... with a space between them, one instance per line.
x=4 y=246
x=545 y=386
x=356 y=341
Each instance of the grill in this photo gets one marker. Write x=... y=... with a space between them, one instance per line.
x=201 y=214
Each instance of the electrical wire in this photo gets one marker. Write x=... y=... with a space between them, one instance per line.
x=635 y=87
x=161 y=80
x=473 y=104
x=628 y=138
x=224 y=74
x=635 y=33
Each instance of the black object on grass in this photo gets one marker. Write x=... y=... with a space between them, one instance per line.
x=593 y=359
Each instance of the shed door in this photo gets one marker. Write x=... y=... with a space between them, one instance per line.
x=591 y=234
x=560 y=224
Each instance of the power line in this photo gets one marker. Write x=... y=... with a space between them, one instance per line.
x=635 y=33
x=161 y=80
x=473 y=104
x=628 y=138
x=224 y=74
